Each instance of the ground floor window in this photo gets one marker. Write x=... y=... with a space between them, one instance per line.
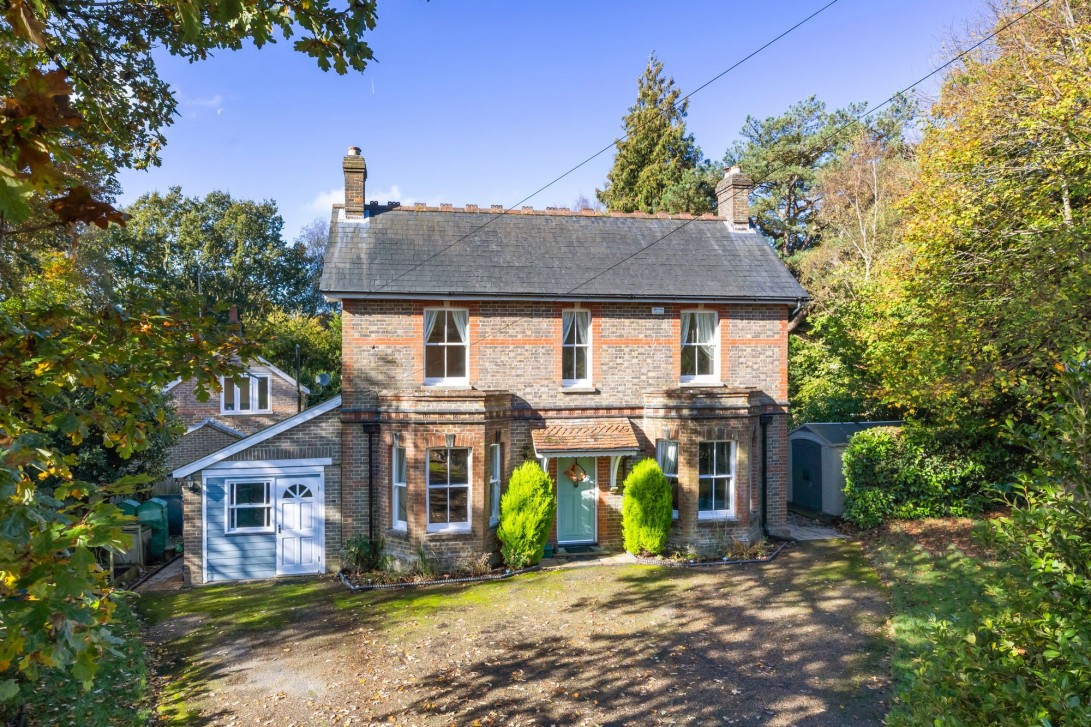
x=716 y=480
x=666 y=453
x=398 y=508
x=249 y=506
x=494 y=483
x=448 y=489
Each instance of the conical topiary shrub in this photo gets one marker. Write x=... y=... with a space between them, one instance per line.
x=526 y=514
x=646 y=509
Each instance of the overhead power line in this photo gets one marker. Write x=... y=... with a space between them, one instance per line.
x=681 y=102
x=855 y=119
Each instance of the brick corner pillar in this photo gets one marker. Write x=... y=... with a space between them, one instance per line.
x=777 y=475
x=192 y=537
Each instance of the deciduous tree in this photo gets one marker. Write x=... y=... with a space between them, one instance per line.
x=81 y=97
x=213 y=249
x=998 y=287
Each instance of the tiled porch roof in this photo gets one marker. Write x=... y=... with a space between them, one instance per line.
x=608 y=435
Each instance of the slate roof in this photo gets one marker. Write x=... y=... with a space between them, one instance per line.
x=218 y=426
x=839 y=433
x=398 y=252
x=610 y=435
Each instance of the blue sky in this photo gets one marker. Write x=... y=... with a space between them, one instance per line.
x=485 y=101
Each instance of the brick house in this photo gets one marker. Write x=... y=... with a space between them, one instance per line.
x=262 y=397
x=475 y=340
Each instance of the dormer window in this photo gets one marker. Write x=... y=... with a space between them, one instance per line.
x=246 y=394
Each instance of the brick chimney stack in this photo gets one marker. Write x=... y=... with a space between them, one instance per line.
x=355 y=175
x=732 y=199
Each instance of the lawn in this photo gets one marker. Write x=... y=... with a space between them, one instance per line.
x=799 y=641
x=935 y=571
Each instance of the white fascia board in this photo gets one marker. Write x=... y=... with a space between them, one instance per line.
x=258 y=437
x=587 y=453
x=238 y=465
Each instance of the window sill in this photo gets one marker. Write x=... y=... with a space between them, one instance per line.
x=715 y=517
x=245 y=413
x=446 y=384
x=399 y=533
x=579 y=389
x=699 y=384
x=450 y=533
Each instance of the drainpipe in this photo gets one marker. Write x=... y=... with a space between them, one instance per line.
x=764 y=420
x=372 y=430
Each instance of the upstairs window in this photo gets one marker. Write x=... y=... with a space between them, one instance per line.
x=446 y=346
x=495 y=473
x=666 y=453
x=576 y=348
x=716 y=480
x=247 y=394
x=699 y=348
x=448 y=489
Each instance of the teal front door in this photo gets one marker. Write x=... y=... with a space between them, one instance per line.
x=576 y=500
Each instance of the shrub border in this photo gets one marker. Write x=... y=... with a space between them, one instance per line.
x=664 y=562
x=440 y=582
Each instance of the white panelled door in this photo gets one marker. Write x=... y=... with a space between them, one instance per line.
x=299 y=525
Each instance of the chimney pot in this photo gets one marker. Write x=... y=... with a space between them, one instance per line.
x=733 y=199
x=355 y=168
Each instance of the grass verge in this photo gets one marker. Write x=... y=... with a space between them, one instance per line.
x=924 y=586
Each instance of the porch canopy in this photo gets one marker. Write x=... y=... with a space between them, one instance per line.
x=613 y=438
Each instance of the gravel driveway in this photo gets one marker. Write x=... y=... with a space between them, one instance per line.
x=799 y=641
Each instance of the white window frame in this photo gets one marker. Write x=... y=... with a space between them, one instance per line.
x=672 y=477
x=567 y=348
x=230 y=507
x=448 y=527
x=496 y=473
x=719 y=513
x=252 y=378
x=398 y=482
x=465 y=345
x=714 y=377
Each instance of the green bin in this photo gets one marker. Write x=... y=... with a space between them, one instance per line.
x=153 y=515
x=128 y=507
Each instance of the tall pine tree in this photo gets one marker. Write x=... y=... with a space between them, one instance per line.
x=656 y=153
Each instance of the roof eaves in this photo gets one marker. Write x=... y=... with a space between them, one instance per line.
x=256 y=438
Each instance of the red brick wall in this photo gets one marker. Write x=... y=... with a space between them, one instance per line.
x=515 y=346
x=516 y=349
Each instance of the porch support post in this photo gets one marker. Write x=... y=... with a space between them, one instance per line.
x=615 y=460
